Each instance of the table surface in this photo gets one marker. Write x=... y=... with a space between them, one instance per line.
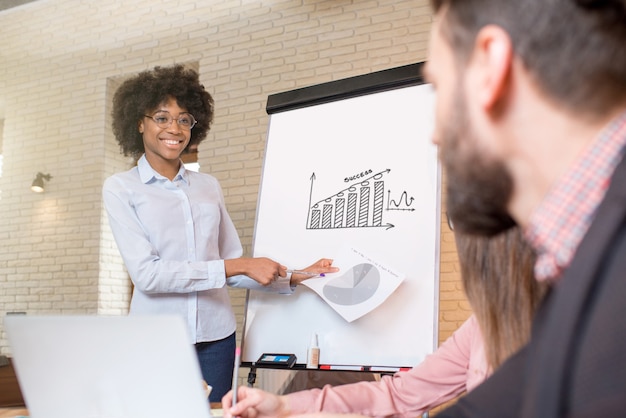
x=216 y=411
x=13 y=412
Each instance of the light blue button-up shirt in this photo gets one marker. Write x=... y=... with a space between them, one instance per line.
x=174 y=237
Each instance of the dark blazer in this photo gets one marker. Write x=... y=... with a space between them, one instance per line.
x=575 y=362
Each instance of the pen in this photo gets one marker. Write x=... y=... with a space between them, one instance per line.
x=236 y=374
x=308 y=273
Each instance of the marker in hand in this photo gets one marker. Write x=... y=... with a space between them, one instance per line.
x=306 y=273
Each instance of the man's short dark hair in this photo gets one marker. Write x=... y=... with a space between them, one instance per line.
x=574 y=49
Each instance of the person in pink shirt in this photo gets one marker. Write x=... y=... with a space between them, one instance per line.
x=500 y=324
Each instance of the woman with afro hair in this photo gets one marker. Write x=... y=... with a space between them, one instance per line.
x=178 y=243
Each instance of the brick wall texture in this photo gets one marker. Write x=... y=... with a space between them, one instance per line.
x=60 y=62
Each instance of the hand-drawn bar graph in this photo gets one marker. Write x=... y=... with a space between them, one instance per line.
x=360 y=205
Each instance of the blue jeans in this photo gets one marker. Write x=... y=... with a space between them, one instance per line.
x=217 y=359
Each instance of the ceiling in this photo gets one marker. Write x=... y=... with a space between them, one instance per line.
x=7 y=4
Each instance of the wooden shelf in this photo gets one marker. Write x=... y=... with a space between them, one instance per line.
x=10 y=393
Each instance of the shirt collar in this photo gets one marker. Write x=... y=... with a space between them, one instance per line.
x=562 y=219
x=148 y=175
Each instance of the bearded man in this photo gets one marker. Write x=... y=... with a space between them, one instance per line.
x=531 y=125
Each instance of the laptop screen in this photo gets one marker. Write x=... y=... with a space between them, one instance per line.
x=106 y=366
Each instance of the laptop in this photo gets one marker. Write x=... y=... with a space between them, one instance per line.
x=106 y=367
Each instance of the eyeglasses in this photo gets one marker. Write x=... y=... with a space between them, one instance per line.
x=164 y=119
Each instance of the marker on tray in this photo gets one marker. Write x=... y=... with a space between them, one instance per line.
x=363 y=368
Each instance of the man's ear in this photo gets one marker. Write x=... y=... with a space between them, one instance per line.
x=493 y=52
x=140 y=126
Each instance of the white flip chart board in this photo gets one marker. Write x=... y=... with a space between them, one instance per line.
x=350 y=163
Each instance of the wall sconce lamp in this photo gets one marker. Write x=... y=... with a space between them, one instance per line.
x=37 y=185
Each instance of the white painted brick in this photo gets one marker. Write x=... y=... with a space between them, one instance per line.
x=58 y=253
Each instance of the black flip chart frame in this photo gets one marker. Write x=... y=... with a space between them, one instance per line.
x=350 y=163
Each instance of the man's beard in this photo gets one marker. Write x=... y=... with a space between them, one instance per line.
x=478 y=187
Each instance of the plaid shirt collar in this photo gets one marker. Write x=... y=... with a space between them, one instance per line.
x=558 y=225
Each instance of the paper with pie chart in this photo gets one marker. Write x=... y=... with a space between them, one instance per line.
x=361 y=284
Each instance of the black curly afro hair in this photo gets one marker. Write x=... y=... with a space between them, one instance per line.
x=143 y=93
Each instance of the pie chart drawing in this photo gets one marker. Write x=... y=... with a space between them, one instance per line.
x=355 y=286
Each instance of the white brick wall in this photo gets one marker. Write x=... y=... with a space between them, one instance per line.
x=60 y=62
